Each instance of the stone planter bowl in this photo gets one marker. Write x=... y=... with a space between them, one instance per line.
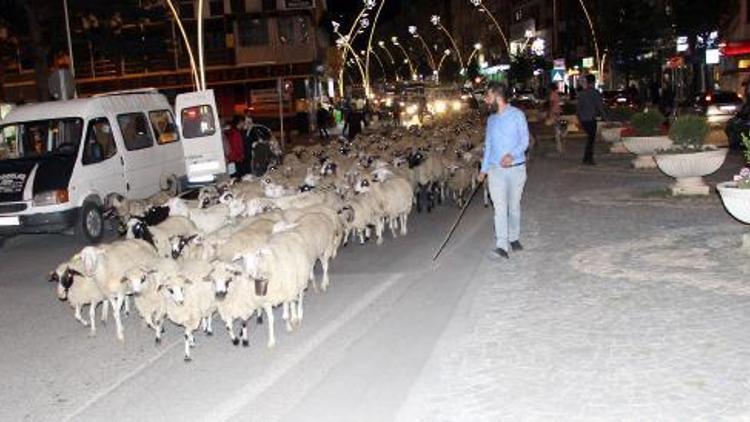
x=612 y=135
x=645 y=148
x=689 y=169
x=736 y=200
x=737 y=203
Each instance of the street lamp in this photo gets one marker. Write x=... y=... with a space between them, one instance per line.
x=415 y=34
x=358 y=26
x=593 y=35
x=395 y=42
x=446 y=53
x=477 y=47
x=343 y=43
x=483 y=9
x=436 y=21
x=369 y=43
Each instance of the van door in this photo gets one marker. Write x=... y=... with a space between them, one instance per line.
x=142 y=168
x=101 y=168
x=202 y=140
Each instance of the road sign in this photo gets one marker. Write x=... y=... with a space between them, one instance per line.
x=558 y=75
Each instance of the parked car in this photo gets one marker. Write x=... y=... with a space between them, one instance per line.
x=65 y=160
x=717 y=106
x=618 y=98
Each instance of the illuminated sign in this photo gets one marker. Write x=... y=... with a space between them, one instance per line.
x=588 y=62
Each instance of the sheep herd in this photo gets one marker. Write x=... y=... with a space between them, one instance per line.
x=245 y=247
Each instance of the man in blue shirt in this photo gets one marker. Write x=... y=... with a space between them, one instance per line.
x=504 y=165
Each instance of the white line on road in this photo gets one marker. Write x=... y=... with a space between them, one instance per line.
x=122 y=380
x=256 y=386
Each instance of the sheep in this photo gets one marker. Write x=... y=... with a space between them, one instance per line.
x=359 y=215
x=395 y=197
x=236 y=298
x=106 y=264
x=144 y=281
x=159 y=236
x=281 y=268
x=461 y=181
x=321 y=240
x=190 y=300
x=206 y=220
x=79 y=290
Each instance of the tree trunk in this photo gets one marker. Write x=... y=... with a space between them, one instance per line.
x=40 y=51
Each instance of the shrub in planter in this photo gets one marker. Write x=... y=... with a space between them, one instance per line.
x=647 y=123
x=688 y=133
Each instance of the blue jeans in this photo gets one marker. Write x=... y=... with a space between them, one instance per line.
x=506 y=189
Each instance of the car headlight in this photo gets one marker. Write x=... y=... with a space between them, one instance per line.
x=456 y=105
x=412 y=109
x=388 y=102
x=52 y=197
x=440 y=107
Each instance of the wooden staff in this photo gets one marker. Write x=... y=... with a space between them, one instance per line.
x=458 y=221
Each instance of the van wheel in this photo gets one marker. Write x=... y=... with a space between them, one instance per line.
x=90 y=224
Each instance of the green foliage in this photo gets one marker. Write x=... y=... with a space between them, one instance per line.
x=647 y=123
x=746 y=146
x=689 y=130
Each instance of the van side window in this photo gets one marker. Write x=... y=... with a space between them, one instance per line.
x=135 y=131
x=198 y=121
x=99 y=143
x=164 y=128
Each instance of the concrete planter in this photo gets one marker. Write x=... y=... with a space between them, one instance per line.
x=737 y=203
x=613 y=136
x=689 y=169
x=645 y=148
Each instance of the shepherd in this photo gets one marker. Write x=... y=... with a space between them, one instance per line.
x=504 y=165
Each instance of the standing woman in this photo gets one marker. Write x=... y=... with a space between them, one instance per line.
x=553 y=116
x=504 y=164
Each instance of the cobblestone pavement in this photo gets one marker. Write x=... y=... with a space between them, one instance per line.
x=628 y=305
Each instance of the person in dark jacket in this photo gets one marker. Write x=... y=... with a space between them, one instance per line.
x=236 y=153
x=322 y=118
x=590 y=106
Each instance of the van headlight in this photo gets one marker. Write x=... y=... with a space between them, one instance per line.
x=52 y=197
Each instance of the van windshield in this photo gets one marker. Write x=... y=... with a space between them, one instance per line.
x=40 y=138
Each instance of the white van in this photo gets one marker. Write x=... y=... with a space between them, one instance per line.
x=62 y=162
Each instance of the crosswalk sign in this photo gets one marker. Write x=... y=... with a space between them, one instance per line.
x=558 y=75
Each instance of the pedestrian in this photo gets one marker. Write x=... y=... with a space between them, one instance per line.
x=554 y=113
x=236 y=153
x=504 y=165
x=355 y=123
x=590 y=106
x=322 y=119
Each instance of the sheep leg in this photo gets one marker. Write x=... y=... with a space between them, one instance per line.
x=379 y=227
x=362 y=234
x=230 y=330
x=116 y=303
x=243 y=334
x=105 y=311
x=271 y=337
x=126 y=301
x=404 y=220
x=285 y=316
x=294 y=319
x=77 y=316
x=392 y=226
x=209 y=325
x=299 y=306
x=325 y=263
x=92 y=318
x=158 y=330
x=187 y=345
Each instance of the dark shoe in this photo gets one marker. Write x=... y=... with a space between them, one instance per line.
x=499 y=253
x=516 y=246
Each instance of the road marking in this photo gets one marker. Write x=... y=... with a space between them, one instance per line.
x=256 y=386
x=122 y=380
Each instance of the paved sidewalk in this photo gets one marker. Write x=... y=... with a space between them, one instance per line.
x=628 y=307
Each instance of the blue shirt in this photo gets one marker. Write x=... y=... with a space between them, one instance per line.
x=507 y=133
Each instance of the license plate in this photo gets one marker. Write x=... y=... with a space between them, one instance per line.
x=9 y=221
x=728 y=108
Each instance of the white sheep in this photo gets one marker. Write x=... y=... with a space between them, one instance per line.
x=79 y=290
x=236 y=298
x=206 y=220
x=106 y=265
x=144 y=281
x=283 y=265
x=190 y=299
